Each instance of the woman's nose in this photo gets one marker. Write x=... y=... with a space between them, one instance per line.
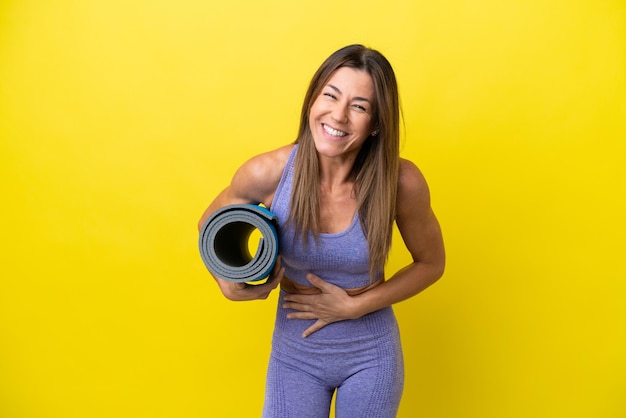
x=339 y=113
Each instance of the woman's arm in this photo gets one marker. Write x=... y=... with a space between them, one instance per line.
x=422 y=236
x=254 y=182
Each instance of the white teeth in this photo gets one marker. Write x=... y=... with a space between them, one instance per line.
x=333 y=132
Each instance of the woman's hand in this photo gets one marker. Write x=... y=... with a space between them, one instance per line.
x=333 y=304
x=245 y=291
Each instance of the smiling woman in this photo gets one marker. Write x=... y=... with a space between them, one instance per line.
x=341 y=117
x=120 y=120
x=337 y=192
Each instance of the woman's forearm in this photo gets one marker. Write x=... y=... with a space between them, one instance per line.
x=403 y=285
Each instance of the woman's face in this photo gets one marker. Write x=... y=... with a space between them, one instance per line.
x=341 y=116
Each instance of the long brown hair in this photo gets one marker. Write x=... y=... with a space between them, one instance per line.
x=375 y=171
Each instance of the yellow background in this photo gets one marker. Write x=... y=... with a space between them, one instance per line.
x=120 y=120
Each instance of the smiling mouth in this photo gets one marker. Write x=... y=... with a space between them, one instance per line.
x=333 y=132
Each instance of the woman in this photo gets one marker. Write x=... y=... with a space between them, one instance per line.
x=337 y=192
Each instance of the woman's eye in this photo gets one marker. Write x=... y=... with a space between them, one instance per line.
x=332 y=96
x=361 y=108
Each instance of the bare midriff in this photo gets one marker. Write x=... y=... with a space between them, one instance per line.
x=290 y=286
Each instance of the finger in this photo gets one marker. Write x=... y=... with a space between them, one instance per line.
x=301 y=315
x=240 y=286
x=313 y=278
x=273 y=280
x=298 y=306
x=294 y=298
x=317 y=281
x=319 y=324
x=272 y=283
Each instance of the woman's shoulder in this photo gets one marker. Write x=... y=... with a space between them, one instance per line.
x=412 y=186
x=259 y=176
x=410 y=175
x=269 y=165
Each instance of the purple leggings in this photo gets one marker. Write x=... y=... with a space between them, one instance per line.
x=360 y=359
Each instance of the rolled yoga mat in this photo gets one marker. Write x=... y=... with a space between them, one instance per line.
x=224 y=243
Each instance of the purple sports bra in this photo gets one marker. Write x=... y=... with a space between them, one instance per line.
x=341 y=258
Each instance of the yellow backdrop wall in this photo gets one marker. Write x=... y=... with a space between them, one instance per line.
x=120 y=120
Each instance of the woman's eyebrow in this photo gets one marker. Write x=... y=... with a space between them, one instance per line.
x=358 y=98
